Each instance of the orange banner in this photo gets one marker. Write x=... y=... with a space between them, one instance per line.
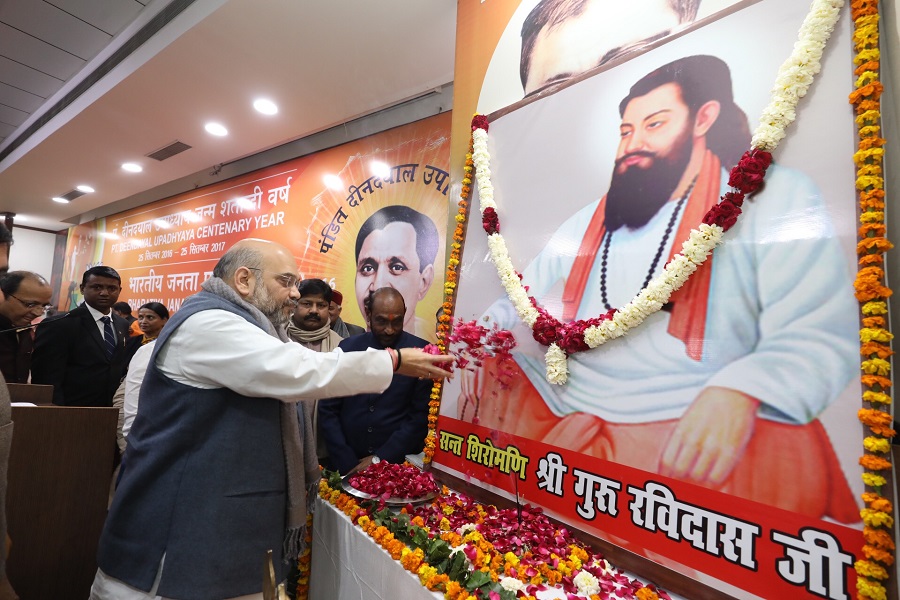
x=393 y=187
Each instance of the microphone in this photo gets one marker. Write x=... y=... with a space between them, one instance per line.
x=27 y=327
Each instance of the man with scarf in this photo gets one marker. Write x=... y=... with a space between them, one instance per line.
x=338 y=325
x=708 y=390
x=309 y=326
x=219 y=468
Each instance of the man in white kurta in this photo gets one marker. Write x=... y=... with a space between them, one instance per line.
x=250 y=366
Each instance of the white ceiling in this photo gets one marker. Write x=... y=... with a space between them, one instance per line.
x=324 y=63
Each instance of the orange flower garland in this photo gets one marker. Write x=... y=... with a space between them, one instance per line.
x=303 y=563
x=446 y=316
x=872 y=293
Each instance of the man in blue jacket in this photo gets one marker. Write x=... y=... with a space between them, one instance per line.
x=363 y=429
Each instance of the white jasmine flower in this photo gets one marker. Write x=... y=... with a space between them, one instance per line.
x=586 y=583
x=512 y=584
x=557 y=367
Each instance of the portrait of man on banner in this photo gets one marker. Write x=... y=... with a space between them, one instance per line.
x=552 y=41
x=396 y=247
x=723 y=387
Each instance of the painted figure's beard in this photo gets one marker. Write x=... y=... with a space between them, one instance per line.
x=638 y=193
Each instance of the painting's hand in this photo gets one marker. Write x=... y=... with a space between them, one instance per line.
x=710 y=438
x=471 y=386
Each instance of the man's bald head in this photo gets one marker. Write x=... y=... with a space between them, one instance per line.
x=264 y=274
x=385 y=310
x=251 y=254
x=382 y=295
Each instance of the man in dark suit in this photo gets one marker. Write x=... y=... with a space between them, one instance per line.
x=82 y=353
x=27 y=296
x=6 y=433
x=363 y=429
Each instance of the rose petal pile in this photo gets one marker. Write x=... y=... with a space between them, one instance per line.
x=387 y=480
x=530 y=547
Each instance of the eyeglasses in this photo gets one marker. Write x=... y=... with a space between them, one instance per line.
x=29 y=304
x=286 y=281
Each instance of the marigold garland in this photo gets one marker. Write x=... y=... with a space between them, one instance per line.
x=446 y=315
x=872 y=294
x=301 y=590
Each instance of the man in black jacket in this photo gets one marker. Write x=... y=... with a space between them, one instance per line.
x=82 y=353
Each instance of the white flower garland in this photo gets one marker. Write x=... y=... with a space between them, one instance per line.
x=794 y=78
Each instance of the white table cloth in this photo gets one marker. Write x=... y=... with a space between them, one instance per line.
x=347 y=564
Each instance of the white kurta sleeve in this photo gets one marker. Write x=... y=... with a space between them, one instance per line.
x=133 y=380
x=215 y=348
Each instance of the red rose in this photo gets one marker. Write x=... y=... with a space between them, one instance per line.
x=490 y=221
x=479 y=122
x=724 y=214
x=571 y=338
x=747 y=176
x=761 y=156
x=736 y=198
x=546 y=328
x=744 y=181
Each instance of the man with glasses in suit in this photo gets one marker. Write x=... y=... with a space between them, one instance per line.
x=27 y=296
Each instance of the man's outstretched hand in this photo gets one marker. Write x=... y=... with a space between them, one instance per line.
x=417 y=363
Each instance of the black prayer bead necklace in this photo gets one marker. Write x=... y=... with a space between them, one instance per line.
x=607 y=237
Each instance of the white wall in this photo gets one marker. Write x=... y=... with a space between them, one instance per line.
x=32 y=251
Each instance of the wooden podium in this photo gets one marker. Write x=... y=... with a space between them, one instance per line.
x=60 y=468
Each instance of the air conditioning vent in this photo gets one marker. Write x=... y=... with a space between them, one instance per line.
x=72 y=195
x=169 y=151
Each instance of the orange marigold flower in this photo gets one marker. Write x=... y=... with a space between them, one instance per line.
x=871 y=259
x=871 y=417
x=878 y=538
x=881 y=503
x=868 y=497
x=871 y=204
x=873 y=553
x=871 y=274
x=872 y=142
x=874 y=381
x=872 y=91
x=872 y=65
x=646 y=593
x=877 y=229
x=874 y=463
x=861 y=8
x=873 y=322
x=870 y=349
